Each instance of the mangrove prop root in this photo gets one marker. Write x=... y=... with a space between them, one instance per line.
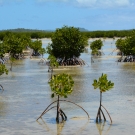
x=47 y=109
x=61 y=116
x=103 y=115
x=107 y=113
x=70 y=61
x=98 y=118
x=76 y=105
x=97 y=114
x=2 y=87
x=64 y=115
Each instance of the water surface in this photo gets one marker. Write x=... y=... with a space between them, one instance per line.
x=27 y=94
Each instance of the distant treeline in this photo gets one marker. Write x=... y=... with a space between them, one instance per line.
x=47 y=34
x=108 y=34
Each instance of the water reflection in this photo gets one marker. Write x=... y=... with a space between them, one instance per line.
x=59 y=127
x=103 y=129
x=62 y=128
x=3 y=107
x=45 y=125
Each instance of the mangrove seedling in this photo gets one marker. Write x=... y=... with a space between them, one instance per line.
x=104 y=85
x=61 y=86
x=52 y=63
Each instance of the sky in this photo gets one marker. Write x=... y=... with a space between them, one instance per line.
x=91 y=15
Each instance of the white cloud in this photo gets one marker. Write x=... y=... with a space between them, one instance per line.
x=104 y=3
x=86 y=3
x=96 y=3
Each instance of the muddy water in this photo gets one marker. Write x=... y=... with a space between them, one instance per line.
x=27 y=94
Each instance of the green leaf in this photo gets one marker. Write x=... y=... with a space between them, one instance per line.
x=103 y=84
x=52 y=95
x=61 y=84
x=65 y=96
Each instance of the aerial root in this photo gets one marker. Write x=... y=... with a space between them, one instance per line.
x=1 y=87
x=63 y=115
x=100 y=111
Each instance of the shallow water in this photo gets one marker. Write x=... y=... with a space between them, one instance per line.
x=27 y=94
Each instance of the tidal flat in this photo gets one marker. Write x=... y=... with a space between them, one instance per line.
x=27 y=94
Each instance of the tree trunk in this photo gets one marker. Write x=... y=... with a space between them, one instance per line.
x=100 y=106
x=98 y=118
x=57 y=117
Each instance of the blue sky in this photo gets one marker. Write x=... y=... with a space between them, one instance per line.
x=52 y=14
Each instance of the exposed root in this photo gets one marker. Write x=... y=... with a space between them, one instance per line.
x=103 y=115
x=98 y=118
x=70 y=61
x=1 y=87
x=63 y=115
x=107 y=113
x=45 y=110
x=77 y=105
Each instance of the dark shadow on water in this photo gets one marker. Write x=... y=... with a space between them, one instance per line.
x=51 y=120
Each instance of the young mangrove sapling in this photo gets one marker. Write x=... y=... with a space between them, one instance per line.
x=104 y=85
x=61 y=86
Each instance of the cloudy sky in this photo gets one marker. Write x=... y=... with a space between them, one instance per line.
x=52 y=14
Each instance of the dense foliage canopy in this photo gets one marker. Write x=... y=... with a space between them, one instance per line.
x=127 y=45
x=14 y=45
x=3 y=69
x=61 y=85
x=36 y=46
x=102 y=83
x=67 y=42
x=96 y=46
